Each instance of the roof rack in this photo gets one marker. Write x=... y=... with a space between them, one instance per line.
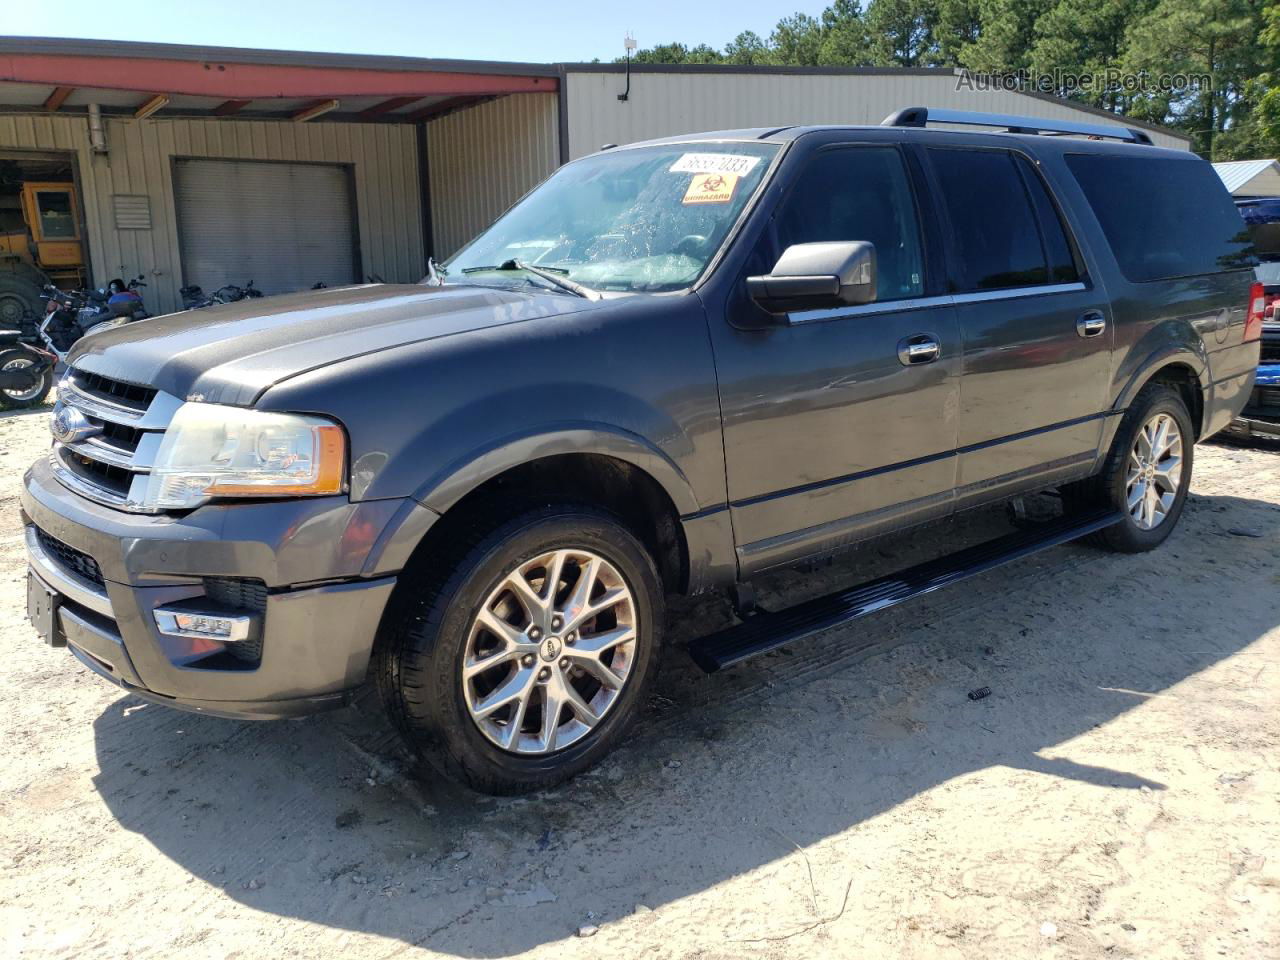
x=919 y=116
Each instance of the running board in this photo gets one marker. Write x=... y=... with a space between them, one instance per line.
x=761 y=632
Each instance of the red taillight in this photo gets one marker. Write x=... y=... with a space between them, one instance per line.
x=1257 y=307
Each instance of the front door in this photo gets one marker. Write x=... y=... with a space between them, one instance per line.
x=1037 y=332
x=832 y=432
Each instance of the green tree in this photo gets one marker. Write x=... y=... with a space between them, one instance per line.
x=1218 y=39
x=901 y=32
x=1005 y=37
x=1265 y=88
x=958 y=24
x=662 y=53
x=746 y=49
x=845 y=41
x=796 y=41
x=1085 y=38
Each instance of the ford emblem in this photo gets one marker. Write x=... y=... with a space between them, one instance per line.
x=69 y=425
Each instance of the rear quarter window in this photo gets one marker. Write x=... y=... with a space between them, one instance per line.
x=1163 y=217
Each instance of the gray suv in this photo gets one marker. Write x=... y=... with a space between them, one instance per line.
x=669 y=368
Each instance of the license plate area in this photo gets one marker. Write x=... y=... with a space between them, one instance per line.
x=42 y=611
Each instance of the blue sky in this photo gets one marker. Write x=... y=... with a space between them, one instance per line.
x=547 y=31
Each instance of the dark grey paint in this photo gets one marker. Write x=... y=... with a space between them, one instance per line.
x=774 y=441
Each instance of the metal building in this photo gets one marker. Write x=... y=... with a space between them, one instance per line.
x=195 y=165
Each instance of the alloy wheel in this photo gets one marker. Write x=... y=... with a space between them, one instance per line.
x=549 y=651
x=1155 y=472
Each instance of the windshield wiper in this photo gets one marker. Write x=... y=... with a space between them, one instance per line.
x=554 y=278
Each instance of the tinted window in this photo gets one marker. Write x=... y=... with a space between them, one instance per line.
x=1163 y=217
x=859 y=193
x=1057 y=249
x=996 y=240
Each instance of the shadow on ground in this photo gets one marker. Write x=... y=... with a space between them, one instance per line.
x=724 y=773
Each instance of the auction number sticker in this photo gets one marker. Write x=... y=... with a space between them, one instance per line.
x=727 y=163
x=711 y=188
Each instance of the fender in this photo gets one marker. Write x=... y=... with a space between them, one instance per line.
x=1191 y=355
x=417 y=514
x=445 y=489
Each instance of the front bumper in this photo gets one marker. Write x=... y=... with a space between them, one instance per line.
x=320 y=608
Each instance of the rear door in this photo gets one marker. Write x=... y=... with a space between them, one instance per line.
x=1037 y=330
x=285 y=226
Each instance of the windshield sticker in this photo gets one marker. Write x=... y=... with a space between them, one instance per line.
x=714 y=163
x=711 y=188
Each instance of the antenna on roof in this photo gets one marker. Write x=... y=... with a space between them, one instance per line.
x=628 y=44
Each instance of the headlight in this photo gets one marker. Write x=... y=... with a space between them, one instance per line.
x=216 y=451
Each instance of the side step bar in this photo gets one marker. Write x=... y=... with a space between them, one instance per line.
x=762 y=632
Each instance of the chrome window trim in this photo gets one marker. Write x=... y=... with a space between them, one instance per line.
x=922 y=303
x=1013 y=293
x=71 y=585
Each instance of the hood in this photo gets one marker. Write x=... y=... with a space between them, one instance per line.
x=232 y=352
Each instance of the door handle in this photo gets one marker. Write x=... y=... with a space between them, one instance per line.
x=1091 y=323
x=921 y=348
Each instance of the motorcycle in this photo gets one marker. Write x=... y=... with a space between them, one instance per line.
x=26 y=372
x=194 y=298
x=72 y=314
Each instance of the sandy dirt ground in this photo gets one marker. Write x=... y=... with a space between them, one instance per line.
x=1115 y=796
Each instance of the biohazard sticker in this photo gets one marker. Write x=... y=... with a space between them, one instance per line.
x=711 y=188
x=714 y=163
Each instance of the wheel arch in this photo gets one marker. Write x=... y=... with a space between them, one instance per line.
x=446 y=489
x=1186 y=370
x=618 y=474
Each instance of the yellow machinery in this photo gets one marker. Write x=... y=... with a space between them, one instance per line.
x=51 y=249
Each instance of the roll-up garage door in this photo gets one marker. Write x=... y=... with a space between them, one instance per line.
x=285 y=226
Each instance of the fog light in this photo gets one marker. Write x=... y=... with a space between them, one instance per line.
x=227 y=628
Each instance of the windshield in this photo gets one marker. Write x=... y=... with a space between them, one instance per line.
x=1268 y=273
x=647 y=219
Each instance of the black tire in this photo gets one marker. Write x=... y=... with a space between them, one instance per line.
x=19 y=301
x=1109 y=487
x=41 y=392
x=418 y=659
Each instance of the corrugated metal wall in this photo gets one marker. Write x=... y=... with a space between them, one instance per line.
x=667 y=104
x=484 y=158
x=383 y=157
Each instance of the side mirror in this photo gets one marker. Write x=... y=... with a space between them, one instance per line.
x=816 y=276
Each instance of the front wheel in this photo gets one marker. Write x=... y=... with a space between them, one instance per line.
x=1147 y=472
x=522 y=662
x=32 y=387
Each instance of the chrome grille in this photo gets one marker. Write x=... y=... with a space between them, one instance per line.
x=114 y=391
x=111 y=466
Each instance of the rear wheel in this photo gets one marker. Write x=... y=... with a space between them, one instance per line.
x=1146 y=474
x=22 y=397
x=523 y=661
